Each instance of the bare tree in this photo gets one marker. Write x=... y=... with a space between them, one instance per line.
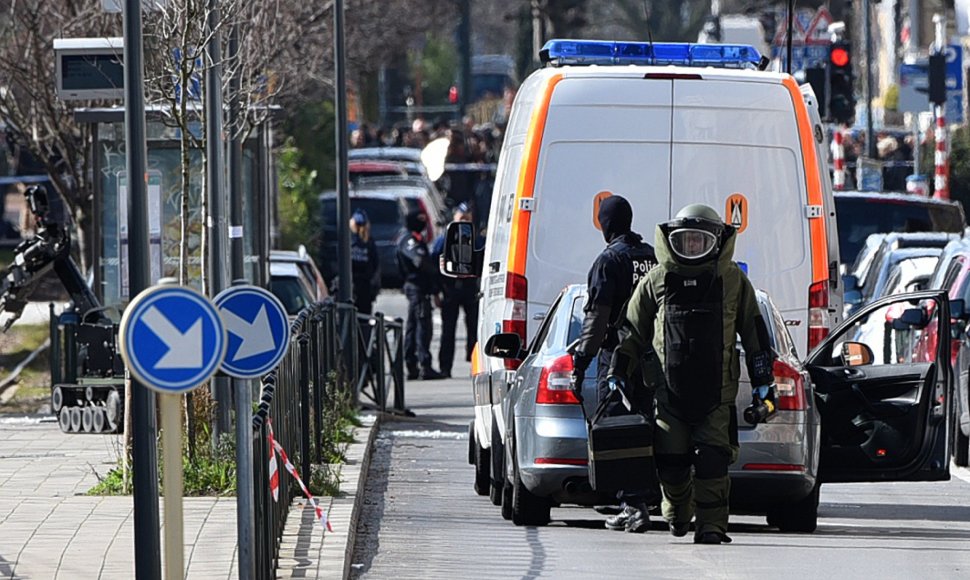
x=35 y=118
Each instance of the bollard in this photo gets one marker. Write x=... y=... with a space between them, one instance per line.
x=378 y=336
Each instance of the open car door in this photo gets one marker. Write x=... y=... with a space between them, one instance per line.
x=884 y=406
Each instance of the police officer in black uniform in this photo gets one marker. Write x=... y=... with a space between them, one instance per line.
x=611 y=281
x=420 y=276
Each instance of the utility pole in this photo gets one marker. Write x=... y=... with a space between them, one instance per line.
x=867 y=32
x=538 y=32
x=217 y=193
x=465 y=42
x=148 y=565
x=345 y=290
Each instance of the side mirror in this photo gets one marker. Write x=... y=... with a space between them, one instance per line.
x=459 y=258
x=853 y=297
x=856 y=354
x=911 y=317
x=850 y=282
x=504 y=345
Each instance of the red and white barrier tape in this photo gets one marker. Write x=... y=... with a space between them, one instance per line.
x=292 y=471
x=838 y=159
x=274 y=471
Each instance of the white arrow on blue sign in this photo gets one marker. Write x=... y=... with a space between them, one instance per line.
x=259 y=330
x=172 y=338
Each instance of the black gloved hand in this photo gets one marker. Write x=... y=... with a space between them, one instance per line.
x=581 y=362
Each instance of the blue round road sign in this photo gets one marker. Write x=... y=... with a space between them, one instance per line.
x=172 y=338
x=258 y=330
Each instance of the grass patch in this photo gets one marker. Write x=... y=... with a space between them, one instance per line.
x=33 y=384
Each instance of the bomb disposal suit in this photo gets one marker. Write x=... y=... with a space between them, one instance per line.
x=689 y=310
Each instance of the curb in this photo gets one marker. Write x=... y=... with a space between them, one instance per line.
x=359 y=496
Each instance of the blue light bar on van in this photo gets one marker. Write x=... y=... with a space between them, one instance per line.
x=608 y=52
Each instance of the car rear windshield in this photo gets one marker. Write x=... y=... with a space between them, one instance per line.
x=860 y=217
x=384 y=215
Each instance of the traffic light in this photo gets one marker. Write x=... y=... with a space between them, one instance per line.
x=937 y=81
x=815 y=76
x=841 y=104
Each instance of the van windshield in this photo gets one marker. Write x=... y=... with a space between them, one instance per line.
x=859 y=217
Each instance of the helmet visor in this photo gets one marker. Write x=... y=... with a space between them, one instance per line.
x=692 y=244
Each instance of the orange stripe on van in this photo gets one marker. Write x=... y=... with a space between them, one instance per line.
x=519 y=235
x=816 y=228
x=476 y=360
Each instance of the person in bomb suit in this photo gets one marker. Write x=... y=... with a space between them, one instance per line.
x=689 y=310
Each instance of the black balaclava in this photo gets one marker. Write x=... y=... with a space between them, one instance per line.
x=415 y=221
x=615 y=216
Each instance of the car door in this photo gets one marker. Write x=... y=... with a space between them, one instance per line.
x=883 y=406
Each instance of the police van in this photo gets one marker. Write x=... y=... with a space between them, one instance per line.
x=664 y=125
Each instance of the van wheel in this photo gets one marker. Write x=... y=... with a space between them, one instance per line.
x=482 y=462
x=498 y=479
x=961 y=445
x=527 y=509
x=798 y=517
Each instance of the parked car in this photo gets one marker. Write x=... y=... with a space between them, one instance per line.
x=407 y=157
x=419 y=194
x=873 y=284
x=361 y=169
x=877 y=245
x=841 y=417
x=385 y=210
x=860 y=214
x=290 y=285
x=308 y=269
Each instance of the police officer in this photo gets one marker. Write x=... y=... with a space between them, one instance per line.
x=420 y=276
x=364 y=261
x=690 y=309
x=457 y=294
x=611 y=281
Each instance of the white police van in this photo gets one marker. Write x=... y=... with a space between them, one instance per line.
x=664 y=125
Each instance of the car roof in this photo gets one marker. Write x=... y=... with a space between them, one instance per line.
x=393 y=153
x=892 y=197
x=364 y=166
x=707 y=73
x=284 y=269
x=369 y=192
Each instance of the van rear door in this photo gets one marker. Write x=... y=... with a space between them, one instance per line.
x=603 y=134
x=736 y=148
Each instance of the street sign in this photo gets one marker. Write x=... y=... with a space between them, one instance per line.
x=914 y=85
x=258 y=327
x=172 y=338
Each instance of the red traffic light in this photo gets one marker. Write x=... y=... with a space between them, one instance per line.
x=839 y=56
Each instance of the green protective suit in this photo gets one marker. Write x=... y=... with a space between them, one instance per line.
x=682 y=324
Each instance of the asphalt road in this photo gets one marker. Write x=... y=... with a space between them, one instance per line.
x=423 y=520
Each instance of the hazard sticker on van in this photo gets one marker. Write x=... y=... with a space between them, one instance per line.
x=597 y=200
x=736 y=212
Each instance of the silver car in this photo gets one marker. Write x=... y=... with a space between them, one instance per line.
x=881 y=421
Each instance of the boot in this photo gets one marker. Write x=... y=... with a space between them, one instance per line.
x=711 y=538
x=633 y=519
x=678 y=530
x=429 y=374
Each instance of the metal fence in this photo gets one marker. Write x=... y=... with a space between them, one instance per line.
x=333 y=350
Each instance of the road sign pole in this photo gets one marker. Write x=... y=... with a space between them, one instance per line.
x=245 y=489
x=867 y=32
x=144 y=461
x=345 y=292
x=171 y=412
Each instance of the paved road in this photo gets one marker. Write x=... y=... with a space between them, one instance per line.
x=422 y=520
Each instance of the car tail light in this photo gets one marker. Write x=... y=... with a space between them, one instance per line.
x=789 y=387
x=555 y=383
x=818 y=313
x=517 y=292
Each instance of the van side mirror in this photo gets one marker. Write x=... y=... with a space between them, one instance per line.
x=856 y=354
x=504 y=345
x=459 y=259
x=909 y=318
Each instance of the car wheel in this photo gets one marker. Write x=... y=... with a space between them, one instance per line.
x=527 y=509
x=961 y=445
x=507 y=500
x=471 y=443
x=498 y=479
x=482 y=464
x=800 y=517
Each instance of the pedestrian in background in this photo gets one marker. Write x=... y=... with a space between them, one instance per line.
x=420 y=274
x=365 y=264
x=689 y=310
x=457 y=294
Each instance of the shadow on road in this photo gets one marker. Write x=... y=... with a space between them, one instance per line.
x=933 y=513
